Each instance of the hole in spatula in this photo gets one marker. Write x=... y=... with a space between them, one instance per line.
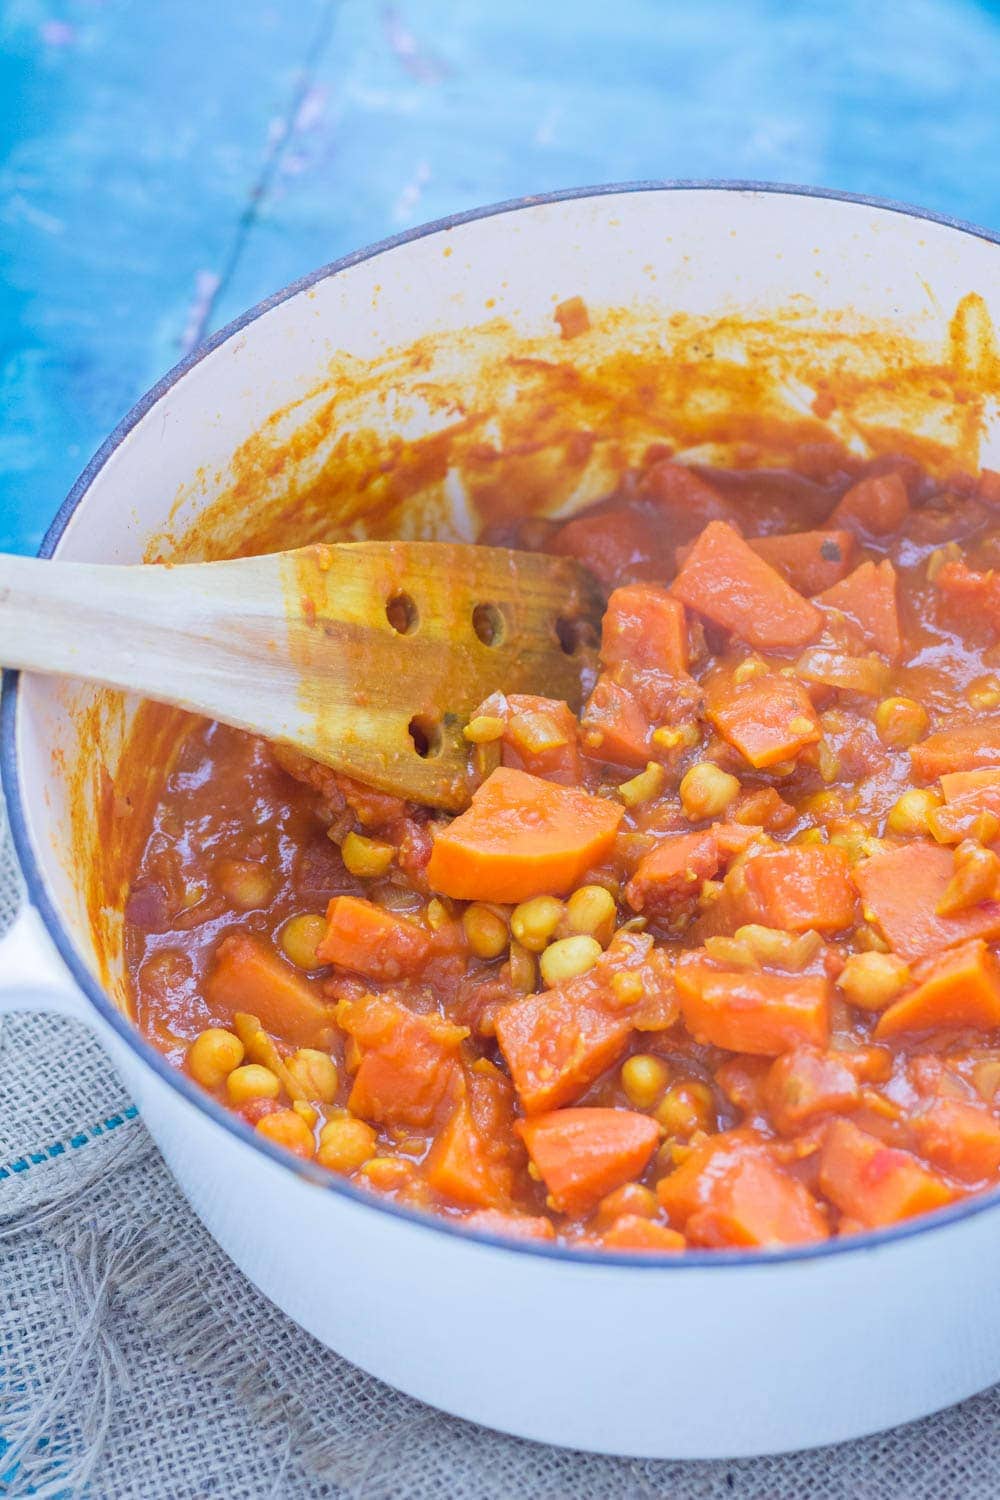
x=401 y=612
x=489 y=624
x=425 y=732
x=571 y=633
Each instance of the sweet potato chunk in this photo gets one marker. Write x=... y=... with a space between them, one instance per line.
x=866 y=598
x=730 y=1192
x=797 y=888
x=967 y=747
x=409 y=1062
x=768 y=719
x=805 y=1084
x=962 y=1139
x=754 y=1012
x=644 y=627
x=369 y=940
x=521 y=837
x=614 y=726
x=875 y=1184
x=809 y=560
x=901 y=888
x=583 y=1154
x=246 y=975
x=960 y=988
x=472 y=1161
x=724 y=580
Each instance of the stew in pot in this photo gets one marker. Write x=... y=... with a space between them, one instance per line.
x=713 y=964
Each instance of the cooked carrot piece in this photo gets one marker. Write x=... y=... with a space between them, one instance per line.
x=615 y=546
x=901 y=888
x=614 y=728
x=644 y=627
x=866 y=599
x=409 y=1062
x=730 y=1191
x=768 y=719
x=582 y=1154
x=806 y=1083
x=633 y=1232
x=540 y=737
x=755 y=1012
x=521 y=837
x=875 y=1184
x=809 y=560
x=471 y=1158
x=512 y=1225
x=668 y=879
x=796 y=887
x=247 y=975
x=878 y=505
x=369 y=940
x=968 y=747
x=960 y=988
x=558 y=1043
x=962 y=1139
x=724 y=580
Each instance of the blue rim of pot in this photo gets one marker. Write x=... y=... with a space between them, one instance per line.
x=38 y=894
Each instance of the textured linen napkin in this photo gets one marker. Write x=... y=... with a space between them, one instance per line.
x=136 y=1361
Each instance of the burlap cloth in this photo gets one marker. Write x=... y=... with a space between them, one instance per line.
x=136 y=1361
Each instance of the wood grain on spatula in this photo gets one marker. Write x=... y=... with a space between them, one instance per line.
x=367 y=656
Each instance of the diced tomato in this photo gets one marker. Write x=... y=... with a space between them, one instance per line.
x=616 y=546
x=614 y=727
x=806 y=1084
x=667 y=881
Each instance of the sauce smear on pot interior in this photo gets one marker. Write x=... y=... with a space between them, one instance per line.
x=712 y=965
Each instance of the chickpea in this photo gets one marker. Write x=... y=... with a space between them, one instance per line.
x=287 y=1128
x=909 y=814
x=900 y=722
x=873 y=980
x=301 y=936
x=644 y=787
x=252 y=1082
x=706 y=791
x=484 y=729
x=644 y=1077
x=366 y=858
x=976 y=878
x=485 y=932
x=686 y=1107
x=676 y=737
x=631 y=1198
x=213 y=1055
x=984 y=692
x=345 y=1144
x=523 y=976
x=534 y=922
x=315 y=1073
x=568 y=958
x=243 y=882
x=591 y=910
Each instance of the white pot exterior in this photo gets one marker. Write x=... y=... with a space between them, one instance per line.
x=692 y=1357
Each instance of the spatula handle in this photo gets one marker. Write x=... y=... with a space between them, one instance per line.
x=186 y=635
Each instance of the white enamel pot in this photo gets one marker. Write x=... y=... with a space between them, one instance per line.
x=695 y=1356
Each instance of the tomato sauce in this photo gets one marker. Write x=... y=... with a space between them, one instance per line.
x=712 y=965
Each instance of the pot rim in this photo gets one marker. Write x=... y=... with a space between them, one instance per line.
x=37 y=892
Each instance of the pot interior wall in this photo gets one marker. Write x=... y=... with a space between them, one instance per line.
x=433 y=389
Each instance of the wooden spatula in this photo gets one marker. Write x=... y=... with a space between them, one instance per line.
x=368 y=656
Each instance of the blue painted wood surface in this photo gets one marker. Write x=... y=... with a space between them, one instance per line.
x=165 y=165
